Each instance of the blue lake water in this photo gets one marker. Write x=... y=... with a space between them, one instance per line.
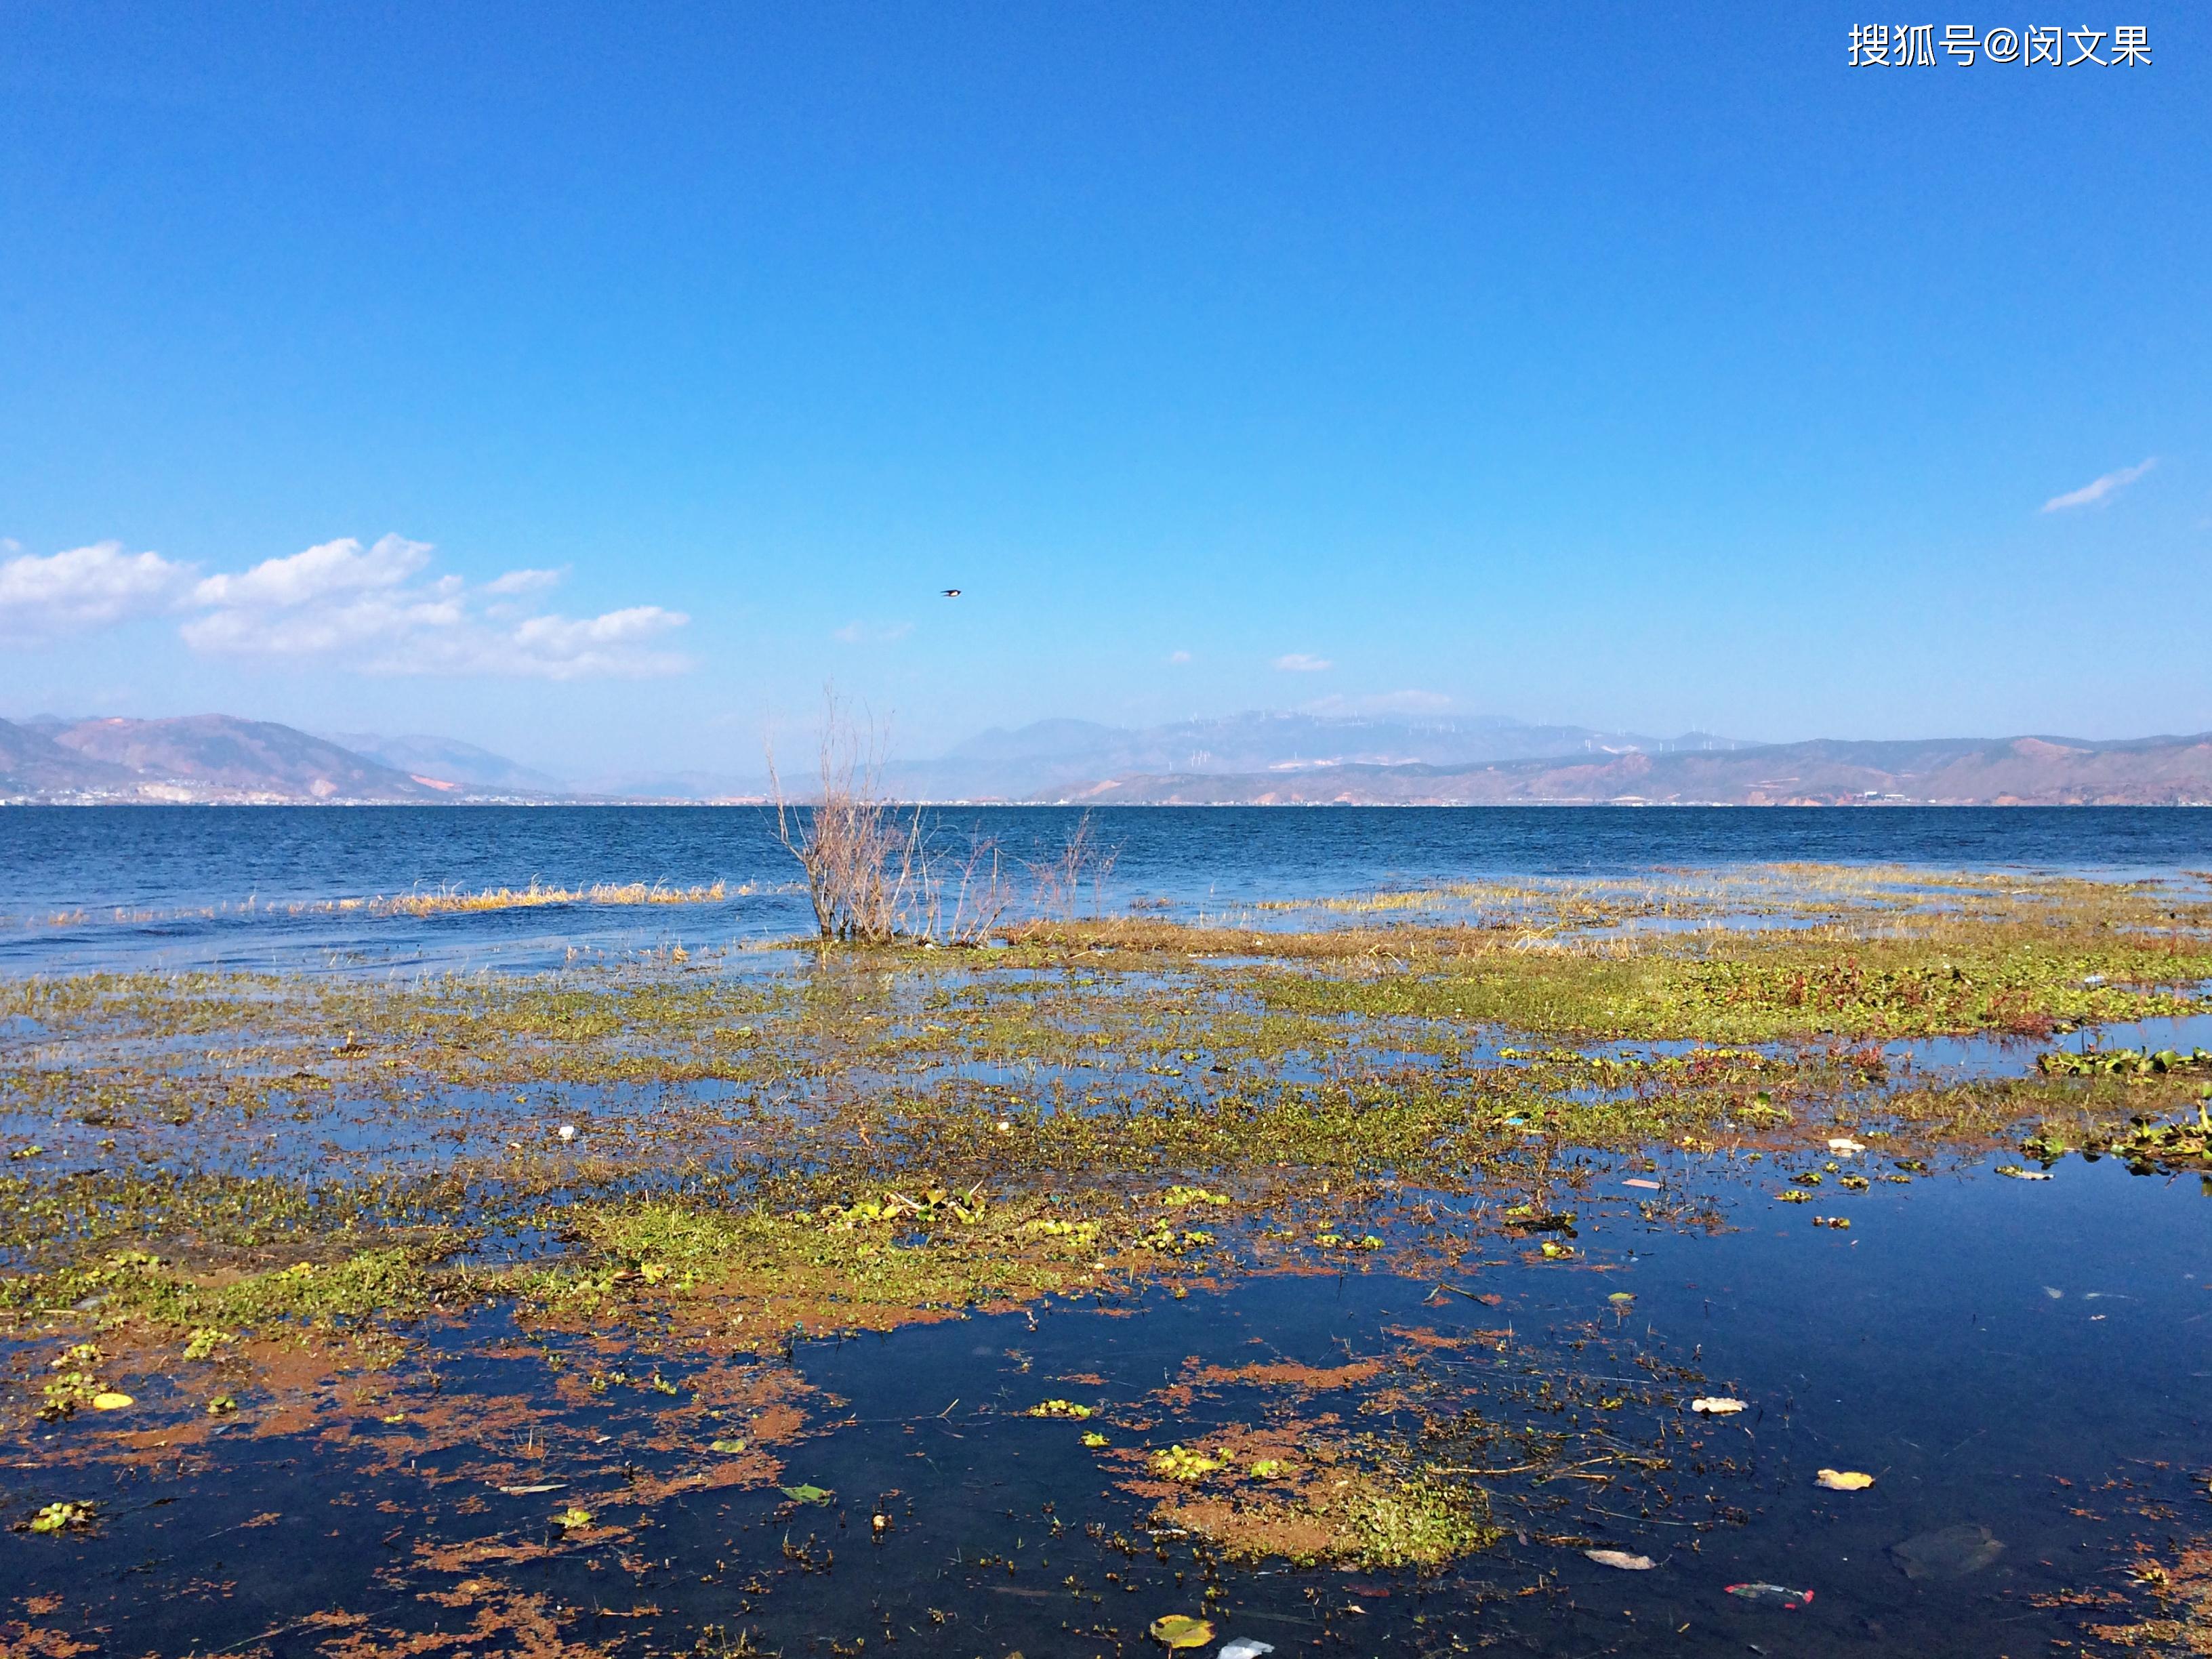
x=197 y=885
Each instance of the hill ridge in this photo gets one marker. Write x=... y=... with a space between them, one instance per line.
x=199 y=759
x=2028 y=770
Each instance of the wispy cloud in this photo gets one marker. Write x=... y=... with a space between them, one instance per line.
x=863 y=633
x=2100 y=490
x=84 y=588
x=612 y=645
x=1178 y=657
x=526 y=581
x=375 y=610
x=1298 y=662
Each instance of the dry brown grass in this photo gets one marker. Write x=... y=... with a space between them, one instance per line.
x=511 y=898
x=1153 y=936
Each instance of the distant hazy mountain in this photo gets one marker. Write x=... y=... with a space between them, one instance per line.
x=1050 y=755
x=1249 y=759
x=448 y=758
x=1966 y=771
x=31 y=764
x=196 y=758
x=676 y=786
x=1029 y=760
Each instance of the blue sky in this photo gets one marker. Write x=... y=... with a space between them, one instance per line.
x=632 y=371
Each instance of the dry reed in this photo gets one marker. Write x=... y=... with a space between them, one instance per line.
x=448 y=901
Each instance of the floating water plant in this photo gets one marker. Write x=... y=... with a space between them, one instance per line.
x=65 y=1517
x=1176 y=1631
x=1177 y=1464
x=1059 y=1409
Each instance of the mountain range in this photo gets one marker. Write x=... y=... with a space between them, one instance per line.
x=1254 y=759
x=451 y=760
x=2034 y=771
x=1041 y=760
x=211 y=759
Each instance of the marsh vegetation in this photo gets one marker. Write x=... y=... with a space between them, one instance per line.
x=1294 y=1242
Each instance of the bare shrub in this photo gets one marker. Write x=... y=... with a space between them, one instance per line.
x=875 y=871
x=861 y=861
x=1060 y=878
x=982 y=898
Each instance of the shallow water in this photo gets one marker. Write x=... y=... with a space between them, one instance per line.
x=1960 y=1057
x=2026 y=1357
x=2068 y=1424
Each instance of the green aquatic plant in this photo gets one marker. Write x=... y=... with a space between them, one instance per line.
x=63 y=1517
x=1416 y=1523
x=205 y=1341
x=1060 y=1408
x=1186 y=1465
x=1179 y=1198
x=2123 y=1063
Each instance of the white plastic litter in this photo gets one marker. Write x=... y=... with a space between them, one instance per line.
x=568 y=1132
x=1244 y=1648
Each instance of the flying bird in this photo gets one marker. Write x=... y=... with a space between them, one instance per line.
x=952 y=593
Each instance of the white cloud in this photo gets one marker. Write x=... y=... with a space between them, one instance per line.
x=332 y=568
x=331 y=627
x=571 y=648
x=85 y=587
x=2100 y=490
x=1298 y=662
x=376 y=609
x=1178 y=656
